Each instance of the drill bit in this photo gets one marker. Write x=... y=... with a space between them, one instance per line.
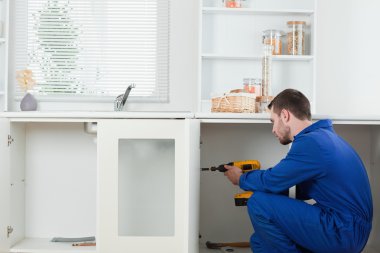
x=213 y=168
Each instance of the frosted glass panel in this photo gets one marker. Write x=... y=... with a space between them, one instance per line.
x=146 y=187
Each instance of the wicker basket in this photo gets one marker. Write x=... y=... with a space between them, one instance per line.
x=234 y=102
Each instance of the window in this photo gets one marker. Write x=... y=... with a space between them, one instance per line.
x=94 y=49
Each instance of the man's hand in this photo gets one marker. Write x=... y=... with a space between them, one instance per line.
x=233 y=173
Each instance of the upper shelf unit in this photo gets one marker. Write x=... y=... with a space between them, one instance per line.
x=232 y=47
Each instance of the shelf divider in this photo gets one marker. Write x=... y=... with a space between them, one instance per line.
x=257 y=58
x=247 y=11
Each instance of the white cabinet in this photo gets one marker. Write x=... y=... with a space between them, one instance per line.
x=4 y=10
x=145 y=201
x=231 y=47
x=135 y=186
x=48 y=187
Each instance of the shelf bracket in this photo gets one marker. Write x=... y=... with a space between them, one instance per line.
x=9 y=231
x=10 y=140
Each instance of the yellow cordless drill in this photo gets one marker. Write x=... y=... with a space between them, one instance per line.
x=241 y=199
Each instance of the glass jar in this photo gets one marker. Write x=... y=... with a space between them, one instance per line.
x=233 y=3
x=252 y=85
x=266 y=70
x=257 y=86
x=296 y=37
x=274 y=38
x=248 y=84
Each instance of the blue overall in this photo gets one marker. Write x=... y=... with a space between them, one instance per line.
x=325 y=168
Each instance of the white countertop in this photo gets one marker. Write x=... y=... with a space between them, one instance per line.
x=98 y=115
x=204 y=117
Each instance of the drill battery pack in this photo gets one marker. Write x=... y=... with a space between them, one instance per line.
x=241 y=199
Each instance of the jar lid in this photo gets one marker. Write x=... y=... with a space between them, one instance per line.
x=296 y=22
x=249 y=80
x=273 y=33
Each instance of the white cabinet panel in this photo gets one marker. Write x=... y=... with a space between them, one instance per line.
x=347 y=71
x=144 y=187
x=4 y=185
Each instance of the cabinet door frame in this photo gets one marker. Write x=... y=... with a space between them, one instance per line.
x=184 y=134
x=4 y=184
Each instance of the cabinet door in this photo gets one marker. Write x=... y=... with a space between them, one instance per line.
x=4 y=184
x=144 y=185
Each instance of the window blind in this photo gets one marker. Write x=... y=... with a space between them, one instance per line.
x=94 y=48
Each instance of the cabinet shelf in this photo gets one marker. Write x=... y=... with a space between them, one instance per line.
x=250 y=11
x=38 y=245
x=256 y=58
x=237 y=118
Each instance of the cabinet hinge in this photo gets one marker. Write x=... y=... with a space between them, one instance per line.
x=9 y=230
x=10 y=140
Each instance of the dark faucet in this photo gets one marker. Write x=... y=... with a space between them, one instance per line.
x=122 y=98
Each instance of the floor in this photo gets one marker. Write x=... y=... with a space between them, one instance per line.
x=204 y=249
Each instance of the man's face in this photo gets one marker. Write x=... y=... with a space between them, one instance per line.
x=280 y=130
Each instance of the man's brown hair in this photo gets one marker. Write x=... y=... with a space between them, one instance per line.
x=293 y=101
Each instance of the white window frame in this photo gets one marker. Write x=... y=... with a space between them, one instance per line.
x=102 y=73
x=184 y=69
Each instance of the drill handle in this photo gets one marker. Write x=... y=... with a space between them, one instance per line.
x=248 y=165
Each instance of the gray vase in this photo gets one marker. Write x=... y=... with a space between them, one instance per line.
x=28 y=103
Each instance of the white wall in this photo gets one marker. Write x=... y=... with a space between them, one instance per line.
x=348 y=82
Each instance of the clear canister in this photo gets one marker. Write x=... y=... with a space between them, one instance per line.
x=266 y=84
x=257 y=86
x=248 y=84
x=252 y=85
x=296 y=37
x=274 y=38
x=233 y=3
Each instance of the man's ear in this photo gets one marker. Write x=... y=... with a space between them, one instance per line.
x=285 y=115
